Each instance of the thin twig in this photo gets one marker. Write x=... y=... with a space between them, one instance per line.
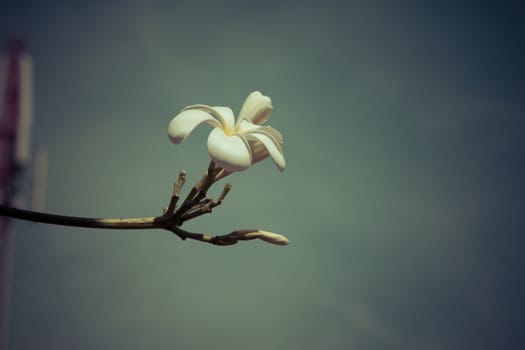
x=176 y=193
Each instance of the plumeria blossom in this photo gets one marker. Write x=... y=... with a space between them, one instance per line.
x=233 y=145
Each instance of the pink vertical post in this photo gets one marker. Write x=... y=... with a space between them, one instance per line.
x=15 y=124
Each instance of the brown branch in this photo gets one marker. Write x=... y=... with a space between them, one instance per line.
x=160 y=222
x=112 y=223
x=193 y=206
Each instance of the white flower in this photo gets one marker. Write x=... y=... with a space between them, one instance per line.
x=233 y=145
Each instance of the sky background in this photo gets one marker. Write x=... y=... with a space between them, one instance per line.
x=403 y=196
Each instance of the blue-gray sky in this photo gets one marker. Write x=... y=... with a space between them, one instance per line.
x=403 y=197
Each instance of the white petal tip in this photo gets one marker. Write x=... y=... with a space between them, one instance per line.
x=175 y=139
x=173 y=134
x=281 y=166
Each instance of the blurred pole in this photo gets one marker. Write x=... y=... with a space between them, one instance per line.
x=15 y=150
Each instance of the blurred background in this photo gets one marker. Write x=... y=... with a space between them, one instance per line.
x=403 y=196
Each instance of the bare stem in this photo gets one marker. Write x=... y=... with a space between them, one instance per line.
x=113 y=223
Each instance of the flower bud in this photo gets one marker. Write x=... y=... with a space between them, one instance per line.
x=270 y=237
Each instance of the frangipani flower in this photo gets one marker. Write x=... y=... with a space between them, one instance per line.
x=234 y=146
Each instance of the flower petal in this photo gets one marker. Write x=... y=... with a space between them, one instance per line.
x=270 y=148
x=225 y=115
x=183 y=124
x=229 y=152
x=257 y=108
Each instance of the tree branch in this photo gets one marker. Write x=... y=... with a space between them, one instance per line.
x=172 y=219
x=112 y=223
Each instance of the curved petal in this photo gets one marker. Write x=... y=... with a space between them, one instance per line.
x=183 y=124
x=270 y=148
x=225 y=115
x=257 y=108
x=229 y=152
